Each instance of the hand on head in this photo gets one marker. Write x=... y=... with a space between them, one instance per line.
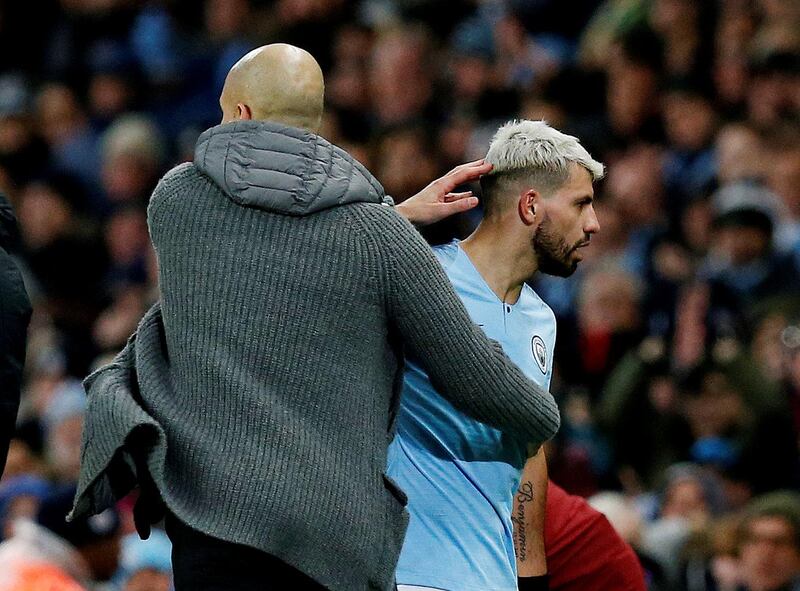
x=437 y=201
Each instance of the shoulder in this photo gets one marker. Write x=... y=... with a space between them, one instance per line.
x=184 y=177
x=571 y=518
x=395 y=240
x=446 y=253
x=381 y=221
x=379 y=212
x=179 y=176
x=536 y=300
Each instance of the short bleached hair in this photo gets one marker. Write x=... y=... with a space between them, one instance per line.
x=535 y=152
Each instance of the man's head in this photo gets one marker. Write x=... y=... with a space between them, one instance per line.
x=277 y=82
x=542 y=180
x=769 y=541
x=743 y=223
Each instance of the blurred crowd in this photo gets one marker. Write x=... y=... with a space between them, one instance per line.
x=678 y=353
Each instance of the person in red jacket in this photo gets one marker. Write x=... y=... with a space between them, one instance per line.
x=583 y=550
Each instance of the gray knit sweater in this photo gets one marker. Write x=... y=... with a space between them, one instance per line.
x=262 y=393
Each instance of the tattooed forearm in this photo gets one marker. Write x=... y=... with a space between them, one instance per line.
x=523 y=497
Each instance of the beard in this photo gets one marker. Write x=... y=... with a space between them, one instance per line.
x=552 y=251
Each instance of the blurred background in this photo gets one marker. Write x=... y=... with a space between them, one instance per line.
x=678 y=352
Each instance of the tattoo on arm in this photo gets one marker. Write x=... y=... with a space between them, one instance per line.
x=523 y=497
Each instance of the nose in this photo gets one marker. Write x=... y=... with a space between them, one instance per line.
x=591 y=224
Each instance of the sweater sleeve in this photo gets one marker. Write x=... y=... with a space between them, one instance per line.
x=464 y=365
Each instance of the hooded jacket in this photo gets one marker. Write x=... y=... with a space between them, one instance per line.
x=261 y=393
x=15 y=313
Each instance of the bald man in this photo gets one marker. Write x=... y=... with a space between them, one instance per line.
x=255 y=404
x=275 y=83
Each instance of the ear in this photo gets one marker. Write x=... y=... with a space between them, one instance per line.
x=243 y=111
x=527 y=206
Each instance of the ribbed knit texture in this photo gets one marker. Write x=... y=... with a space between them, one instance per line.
x=272 y=385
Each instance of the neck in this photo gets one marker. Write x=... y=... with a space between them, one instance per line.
x=504 y=259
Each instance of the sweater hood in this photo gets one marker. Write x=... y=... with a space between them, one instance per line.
x=282 y=169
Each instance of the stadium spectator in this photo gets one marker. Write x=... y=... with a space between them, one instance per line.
x=145 y=564
x=96 y=539
x=769 y=543
x=572 y=527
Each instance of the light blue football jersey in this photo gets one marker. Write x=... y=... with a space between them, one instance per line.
x=460 y=475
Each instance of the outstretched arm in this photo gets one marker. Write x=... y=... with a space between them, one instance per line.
x=467 y=368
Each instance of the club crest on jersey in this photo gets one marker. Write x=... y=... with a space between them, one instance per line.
x=539 y=350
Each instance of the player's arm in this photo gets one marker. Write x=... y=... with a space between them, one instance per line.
x=468 y=369
x=528 y=519
x=437 y=201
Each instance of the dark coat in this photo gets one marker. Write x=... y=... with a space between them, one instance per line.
x=15 y=313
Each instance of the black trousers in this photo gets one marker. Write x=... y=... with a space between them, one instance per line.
x=203 y=563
